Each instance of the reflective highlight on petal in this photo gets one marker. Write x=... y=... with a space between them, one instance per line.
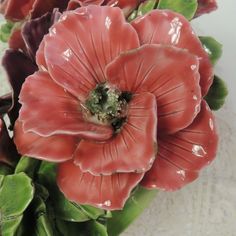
x=182 y=155
x=107 y=192
x=167 y=27
x=34 y=30
x=170 y=73
x=133 y=149
x=83 y=43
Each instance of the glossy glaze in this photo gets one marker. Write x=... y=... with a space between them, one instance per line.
x=94 y=45
x=126 y=5
x=54 y=148
x=170 y=74
x=183 y=154
x=60 y=115
x=133 y=149
x=82 y=43
x=166 y=27
x=107 y=192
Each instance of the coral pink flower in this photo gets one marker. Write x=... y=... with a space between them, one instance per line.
x=118 y=104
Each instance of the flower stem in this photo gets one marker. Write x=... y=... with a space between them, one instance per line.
x=136 y=204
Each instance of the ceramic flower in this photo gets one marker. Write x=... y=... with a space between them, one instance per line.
x=118 y=104
x=17 y=10
x=206 y=6
x=126 y=5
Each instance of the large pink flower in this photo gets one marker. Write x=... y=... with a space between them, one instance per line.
x=117 y=104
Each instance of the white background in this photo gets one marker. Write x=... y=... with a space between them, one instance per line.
x=208 y=206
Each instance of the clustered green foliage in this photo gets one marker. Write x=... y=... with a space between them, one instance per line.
x=5 y=31
x=185 y=7
x=32 y=204
x=218 y=91
x=217 y=94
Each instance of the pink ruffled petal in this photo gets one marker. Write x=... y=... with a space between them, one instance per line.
x=167 y=27
x=126 y=5
x=107 y=192
x=56 y=148
x=182 y=155
x=205 y=6
x=48 y=109
x=131 y=150
x=170 y=73
x=83 y=42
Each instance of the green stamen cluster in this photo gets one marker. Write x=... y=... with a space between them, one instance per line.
x=107 y=104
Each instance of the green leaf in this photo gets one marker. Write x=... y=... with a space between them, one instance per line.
x=5 y=169
x=1 y=181
x=145 y=7
x=92 y=212
x=36 y=216
x=66 y=228
x=16 y=193
x=212 y=47
x=132 y=16
x=5 y=31
x=41 y=191
x=42 y=226
x=64 y=209
x=27 y=165
x=95 y=228
x=68 y=211
x=184 y=7
x=9 y=227
x=217 y=94
x=135 y=205
x=89 y=228
x=108 y=214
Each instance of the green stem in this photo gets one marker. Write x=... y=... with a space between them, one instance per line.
x=27 y=165
x=136 y=204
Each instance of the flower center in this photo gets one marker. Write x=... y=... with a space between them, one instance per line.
x=108 y=105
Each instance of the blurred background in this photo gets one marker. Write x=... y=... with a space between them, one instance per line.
x=208 y=206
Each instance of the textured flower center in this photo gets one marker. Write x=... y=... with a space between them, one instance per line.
x=108 y=105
